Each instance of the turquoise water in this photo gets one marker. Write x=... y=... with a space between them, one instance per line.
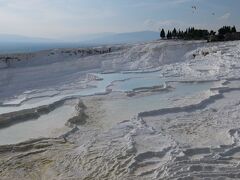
x=116 y=109
x=122 y=82
x=126 y=108
x=133 y=83
x=100 y=88
x=49 y=125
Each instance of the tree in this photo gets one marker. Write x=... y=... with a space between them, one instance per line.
x=174 y=33
x=162 y=34
x=212 y=32
x=179 y=34
x=192 y=34
x=169 y=35
x=234 y=29
x=224 y=30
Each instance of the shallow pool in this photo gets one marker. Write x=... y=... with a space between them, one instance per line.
x=33 y=99
x=49 y=125
x=120 y=109
x=116 y=110
x=133 y=83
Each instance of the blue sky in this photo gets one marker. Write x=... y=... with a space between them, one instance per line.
x=69 y=18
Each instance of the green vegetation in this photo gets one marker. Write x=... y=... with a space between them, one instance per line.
x=224 y=33
x=190 y=33
x=162 y=34
x=227 y=29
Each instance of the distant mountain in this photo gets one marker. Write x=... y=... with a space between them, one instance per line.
x=130 y=37
x=20 y=39
x=88 y=37
x=17 y=43
x=101 y=38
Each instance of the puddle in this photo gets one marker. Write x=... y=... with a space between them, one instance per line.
x=49 y=125
x=129 y=85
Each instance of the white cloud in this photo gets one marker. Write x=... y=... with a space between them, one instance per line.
x=226 y=16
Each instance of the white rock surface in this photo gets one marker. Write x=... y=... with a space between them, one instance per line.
x=195 y=136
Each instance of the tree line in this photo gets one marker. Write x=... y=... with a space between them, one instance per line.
x=195 y=34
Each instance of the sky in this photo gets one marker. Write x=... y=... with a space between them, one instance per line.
x=72 y=18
